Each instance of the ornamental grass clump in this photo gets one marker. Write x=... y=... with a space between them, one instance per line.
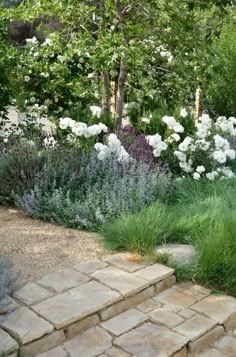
x=202 y=213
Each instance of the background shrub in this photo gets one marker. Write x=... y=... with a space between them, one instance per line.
x=221 y=94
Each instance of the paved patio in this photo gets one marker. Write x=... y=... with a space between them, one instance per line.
x=116 y=307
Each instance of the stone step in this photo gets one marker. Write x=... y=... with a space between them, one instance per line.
x=62 y=305
x=117 y=307
x=182 y=321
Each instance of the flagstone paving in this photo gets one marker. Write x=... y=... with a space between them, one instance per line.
x=117 y=308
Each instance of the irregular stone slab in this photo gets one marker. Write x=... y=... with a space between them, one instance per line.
x=219 y=308
x=91 y=343
x=195 y=327
x=154 y=273
x=206 y=340
x=116 y=352
x=80 y=326
x=55 y=352
x=164 y=317
x=77 y=303
x=227 y=345
x=7 y=343
x=8 y=305
x=148 y=305
x=230 y=323
x=180 y=253
x=122 y=261
x=124 y=322
x=152 y=341
x=196 y=291
x=211 y=352
x=90 y=266
x=182 y=353
x=32 y=293
x=63 y=280
x=126 y=283
x=43 y=344
x=187 y=313
x=25 y=325
x=176 y=300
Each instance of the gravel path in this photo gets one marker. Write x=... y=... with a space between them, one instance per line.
x=38 y=248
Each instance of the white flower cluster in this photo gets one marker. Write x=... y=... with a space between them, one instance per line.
x=215 y=148
x=96 y=111
x=158 y=145
x=113 y=147
x=223 y=150
x=227 y=126
x=173 y=124
x=50 y=142
x=81 y=129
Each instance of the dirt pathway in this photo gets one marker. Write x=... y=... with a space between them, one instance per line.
x=38 y=248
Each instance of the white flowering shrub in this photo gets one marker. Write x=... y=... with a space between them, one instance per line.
x=205 y=153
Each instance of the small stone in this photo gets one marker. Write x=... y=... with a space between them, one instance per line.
x=148 y=305
x=80 y=326
x=152 y=341
x=187 y=313
x=230 y=323
x=227 y=345
x=90 y=266
x=32 y=293
x=195 y=327
x=116 y=352
x=124 y=322
x=7 y=343
x=122 y=261
x=211 y=352
x=43 y=344
x=180 y=253
x=77 y=303
x=154 y=273
x=164 y=317
x=126 y=283
x=91 y=343
x=206 y=340
x=55 y=352
x=219 y=308
x=63 y=280
x=25 y=325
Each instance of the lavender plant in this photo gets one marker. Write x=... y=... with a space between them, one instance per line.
x=102 y=190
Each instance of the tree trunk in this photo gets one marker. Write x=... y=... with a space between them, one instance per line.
x=120 y=93
x=198 y=105
x=106 y=103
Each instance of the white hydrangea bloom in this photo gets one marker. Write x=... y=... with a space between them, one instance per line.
x=183 y=113
x=145 y=120
x=196 y=176
x=96 y=111
x=200 y=169
x=219 y=156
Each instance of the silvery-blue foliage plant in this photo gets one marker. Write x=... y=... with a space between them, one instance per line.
x=103 y=189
